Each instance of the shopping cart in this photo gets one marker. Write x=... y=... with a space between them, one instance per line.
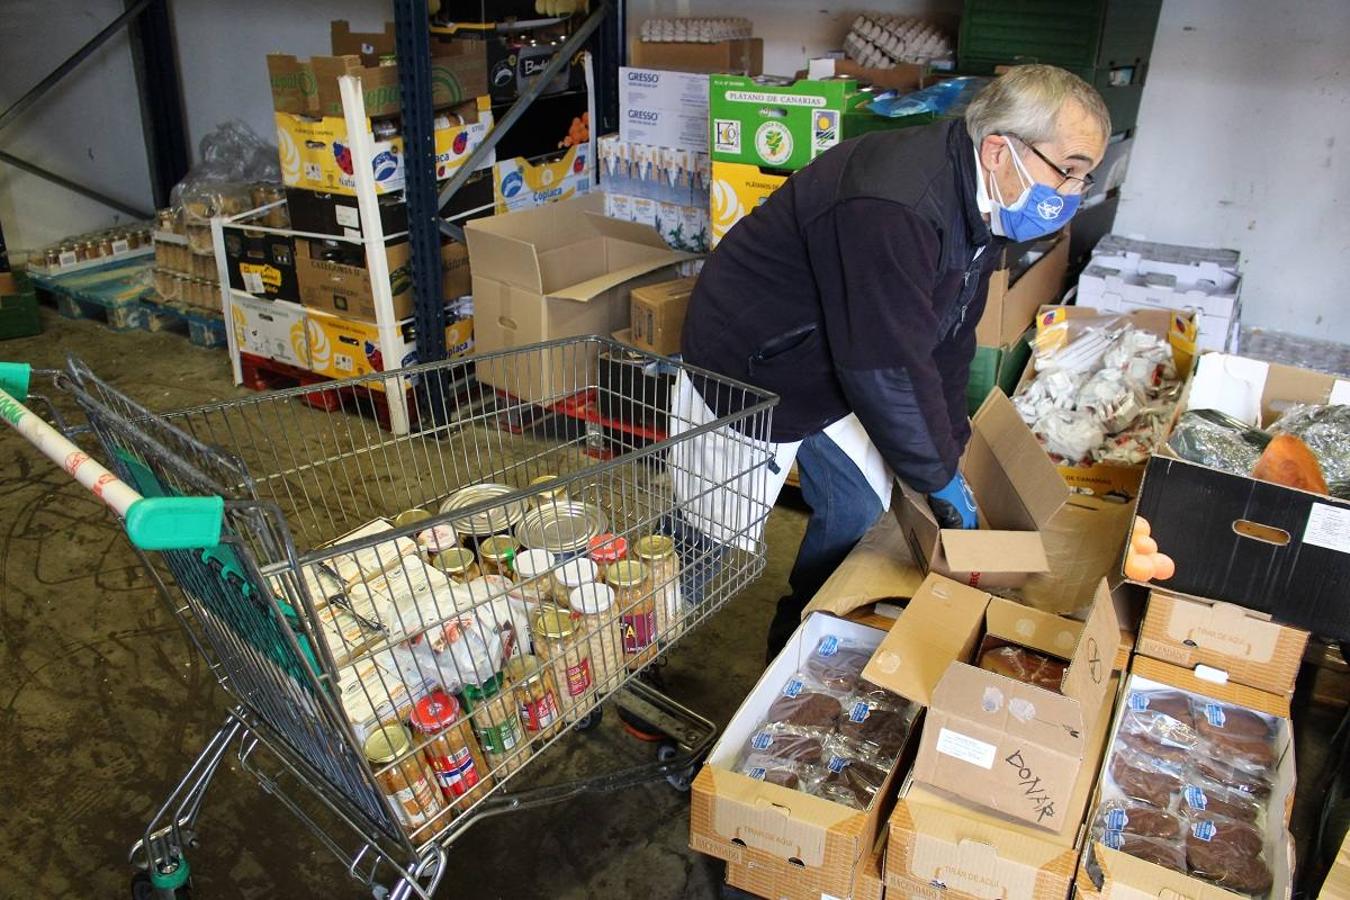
x=383 y=686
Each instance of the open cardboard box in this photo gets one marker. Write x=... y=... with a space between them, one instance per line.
x=1017 y=492
x=775 y=879
x=560 y=270
x=1109 y=479
x=735 y=818
x=1262 y=546
x=1124 y=877
x=878 y=568
x=1013 y=747
x=744 y=56
x=1012 y=305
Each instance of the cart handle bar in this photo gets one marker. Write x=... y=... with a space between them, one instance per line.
x=152 y=523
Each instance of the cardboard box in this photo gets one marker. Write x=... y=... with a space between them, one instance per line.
x=515 y=61
x=1014 y=301
x=272 y=329
x=1110 y=479
x=262 y=264
x=879 y=568
x=783 y=124
x=519 y=184
x=1123 y=876
x=631 y=388
x=557 y=271
x=775 y=879
x=1259 y=545
x=1083 y=544
x=653 y=88
x=315 y=153
x=347 y=348
x=325 y=212
x=1012 y=747
x=741 y=57
x=940 y=847
x=1017 y=492
x=1221 y=641
x=344 y=288
x=736 y=190
x=733 y=815
x=657 y=315
x=903 y=77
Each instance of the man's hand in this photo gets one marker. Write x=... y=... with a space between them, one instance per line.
x=954 y=505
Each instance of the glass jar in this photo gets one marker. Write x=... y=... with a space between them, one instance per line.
x=536 y=694
x=437 y=539
x=458 y=564
x=637 y=611
x=495 y=555
x=407 y=781
x=453 y=752
x=534 y=577
x=573 y=574
x=605 y=550
x=410 y=517
x=497 y=724
x=595 y=603
x=560 y=640
x=549 y=497
x=657 y=553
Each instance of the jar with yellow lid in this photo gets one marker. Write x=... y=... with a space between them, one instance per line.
x=496 y=553
x=404 y=776
x=605 y=550
x=536 y=694
x=657 y=553
x=560 y=640
x=496 y=721
x=637 y=610
x=595 y=604
x=458 y=564
x=410 y=517
x=555 y=494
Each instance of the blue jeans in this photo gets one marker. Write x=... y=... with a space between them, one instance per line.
x=843 y=508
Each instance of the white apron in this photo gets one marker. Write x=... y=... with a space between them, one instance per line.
x=719 y=487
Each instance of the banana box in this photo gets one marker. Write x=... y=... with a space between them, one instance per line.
x=272 y=329
x=347 y=348
x=316 y=154
x=520 y=184
x=737 y=188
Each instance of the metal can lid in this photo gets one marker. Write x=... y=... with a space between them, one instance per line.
x=434 y=712
x=497 y=549
x=523 y=669
x=626 y=574
x=454 y=560
x=591 y=599
x=655 y=546
x=387 y=743
x=410 y=517
x=561 y=527
x=576 y=572
x=489 y=521
x=553 y=622
x=533 y=563
x=608 y=548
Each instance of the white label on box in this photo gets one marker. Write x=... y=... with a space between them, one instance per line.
x=966 y=748
x=1328 y=527
x=726 y=136
x=348 y=217
x=352 y=233
x=68 y=258
x=829 y=897
x=1340 y=393
x=253 y=282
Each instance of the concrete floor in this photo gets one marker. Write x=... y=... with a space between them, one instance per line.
x=103 y=702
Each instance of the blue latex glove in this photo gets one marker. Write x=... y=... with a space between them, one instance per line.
x=954 y=505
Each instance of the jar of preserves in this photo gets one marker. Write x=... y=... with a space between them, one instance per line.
x=496 y=721
x=410 y=517
x=457 y=563
x=555 y=494
x=657 y=553
x=534 y=577
x=164 y=219
x=595 y=604
x=453 y=751
x=571 y=575
x=536 y=695
x=637 y=611
x=496 y=553
x=605 y=550
x=560 y=640
x=403 y=775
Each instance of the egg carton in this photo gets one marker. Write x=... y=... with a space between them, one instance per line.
x=695 y=30
x=879 y=41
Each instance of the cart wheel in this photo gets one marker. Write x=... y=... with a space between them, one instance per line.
x=680 y=781
x=590 y=720
x=142 y=888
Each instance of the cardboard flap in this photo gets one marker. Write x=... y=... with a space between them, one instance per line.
x=594 y=287
x=1089 y=672
x=1125 y=875
x=938 y=627
x=879 y=568
x=1236 y=694
x=1021 y=458
x=1000 y=705
x=994 y=551
x=632 y=232
x=502 y=257
x=1034 y=628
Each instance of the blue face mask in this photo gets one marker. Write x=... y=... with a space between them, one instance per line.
x=1037 y=212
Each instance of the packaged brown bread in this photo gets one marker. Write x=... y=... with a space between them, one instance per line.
x=1169 y=703
x=1248 y=781
x=1025 y=665
x=798 y=705
x=877 y=723
x=1228 y=853
x=1200 y=797
x=1237 y=735
x=1160 y=852
x=796 y=776
x=1143 y=778
x=850 y=779
x=786 y=743
x=1140 y=819
x=836 y=664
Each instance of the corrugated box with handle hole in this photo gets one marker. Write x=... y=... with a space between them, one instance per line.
x=1013 y=747
x=775 y=879
x=1263 y=546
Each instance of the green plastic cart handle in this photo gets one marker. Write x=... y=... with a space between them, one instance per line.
x=175 y=523
x=14 y=379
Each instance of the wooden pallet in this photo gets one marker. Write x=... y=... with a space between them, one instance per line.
x=261 y=374
x=109 y=294
x=204 y=327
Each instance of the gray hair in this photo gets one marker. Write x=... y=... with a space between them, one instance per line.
x=1025 y=101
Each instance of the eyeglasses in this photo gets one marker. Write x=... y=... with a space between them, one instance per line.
x=1071 y=184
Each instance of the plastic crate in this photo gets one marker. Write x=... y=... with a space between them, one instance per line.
x=19 y=316
x=1073 y=34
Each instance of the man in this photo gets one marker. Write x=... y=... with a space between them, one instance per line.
x=854 y=290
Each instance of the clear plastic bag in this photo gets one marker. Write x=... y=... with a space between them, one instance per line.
x=1142 y=777
x=850 y=777
x=1160 y=852
x=798 y=745
x=805 y=704
x=231 y=159
x=1238 y=736
x=1139 y=819
x=1228 y=853
x=1026 y=666
x=782 y=772
x=876 y=723
x=1076 y=343
x=836 y=664
x=1169 y=703
x=1201 y=796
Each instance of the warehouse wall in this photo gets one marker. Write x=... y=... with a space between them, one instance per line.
x=87 y=128
x=1242 y=139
